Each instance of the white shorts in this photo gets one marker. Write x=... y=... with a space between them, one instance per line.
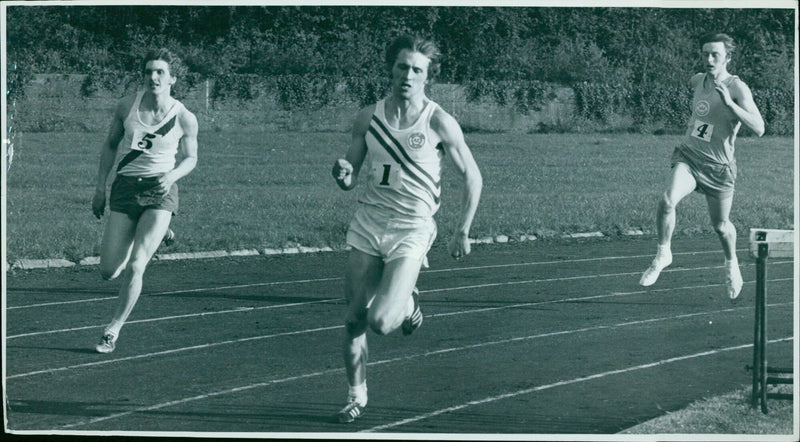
x=389 y=235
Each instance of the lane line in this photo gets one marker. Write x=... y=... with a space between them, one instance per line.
x=328 y=328
x=167 y=318
x=561 y=384
x=306 y=281
x=469 y=287
x=407 y=358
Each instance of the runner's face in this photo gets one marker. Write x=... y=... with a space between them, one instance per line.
x=157 y=78
x=409 y=74
x=715 y=57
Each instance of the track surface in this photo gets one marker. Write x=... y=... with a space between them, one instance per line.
x=543 y=337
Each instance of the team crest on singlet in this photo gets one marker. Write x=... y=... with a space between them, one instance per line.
x=416 y=140
x=701 y=108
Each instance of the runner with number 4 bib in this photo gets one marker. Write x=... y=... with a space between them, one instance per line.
x=704 y=162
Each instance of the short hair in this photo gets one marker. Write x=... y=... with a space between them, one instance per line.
x=176 y=67
x=725 y=39
x=414 y=43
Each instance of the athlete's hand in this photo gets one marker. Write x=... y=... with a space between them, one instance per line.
x=342 y=172
x=165 y=183
x=99 y=203
x=459 y=245
x=724 y=93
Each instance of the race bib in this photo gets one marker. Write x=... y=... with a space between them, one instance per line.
x=141 y=140
x=702 y=130
x=386 y=175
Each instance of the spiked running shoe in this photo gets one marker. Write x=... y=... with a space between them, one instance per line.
x=414 y=321
x=169 y=238
x=650 y=275
x=107 y=343
x=348 y=414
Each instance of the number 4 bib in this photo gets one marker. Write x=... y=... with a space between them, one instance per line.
x=702 y=130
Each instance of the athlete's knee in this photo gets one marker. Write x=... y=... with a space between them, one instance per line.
x=137 y=265
x=109 y=272
x=355 y=325
x=666 y=204
x=724 y=228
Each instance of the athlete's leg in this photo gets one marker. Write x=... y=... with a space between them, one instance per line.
x=361 y=279
x=393 y=303
x=149 y=232
x=719 y=209
x=116 y=246
x=681 y=184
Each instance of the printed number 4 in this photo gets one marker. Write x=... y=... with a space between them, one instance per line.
x=701 y=130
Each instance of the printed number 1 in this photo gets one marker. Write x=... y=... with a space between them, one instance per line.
x=701 y=130
x=385 y=179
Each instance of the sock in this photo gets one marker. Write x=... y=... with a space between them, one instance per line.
x=359 y=393
x=114 y=328
x=409 y=307
x=664 y=250
x=729 y=263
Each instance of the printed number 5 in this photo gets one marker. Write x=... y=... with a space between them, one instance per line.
x=145 y=142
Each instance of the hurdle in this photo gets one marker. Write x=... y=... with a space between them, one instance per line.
x=765 y=243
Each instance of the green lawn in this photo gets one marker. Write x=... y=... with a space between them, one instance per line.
x=264 y=189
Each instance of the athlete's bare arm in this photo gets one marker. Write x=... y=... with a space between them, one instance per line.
x=108 y=151
x=345 y=170
x=188 y=148
x=739 y=100
x=456 y=148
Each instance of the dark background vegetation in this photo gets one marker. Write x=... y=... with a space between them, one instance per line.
x=618 y=61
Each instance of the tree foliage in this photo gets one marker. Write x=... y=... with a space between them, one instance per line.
x=628 y=51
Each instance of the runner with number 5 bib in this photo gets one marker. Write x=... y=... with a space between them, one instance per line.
x=704 y=162
x=147 y=131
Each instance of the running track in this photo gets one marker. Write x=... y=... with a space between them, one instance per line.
x=542 y=337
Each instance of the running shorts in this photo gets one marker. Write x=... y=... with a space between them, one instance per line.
x=713 y=179
x=133 y=195
x=388 y=235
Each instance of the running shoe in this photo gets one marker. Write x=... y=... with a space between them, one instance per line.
x=107 y=343
x=169 y=238
x=351 y=412
x=650 y=275
x=415 y=320
x=733 y=280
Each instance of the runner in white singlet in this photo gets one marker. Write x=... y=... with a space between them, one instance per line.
x=146 y=133
x=401 y=142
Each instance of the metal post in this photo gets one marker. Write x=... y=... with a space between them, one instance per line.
x=761 y=299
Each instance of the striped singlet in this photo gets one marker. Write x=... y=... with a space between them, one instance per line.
x=404 y=165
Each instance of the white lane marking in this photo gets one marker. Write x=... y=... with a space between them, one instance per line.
x=306 y=281
x=167 y=318
x=560 y=384
x=405 y=358
x=245 y=309
x=314 y=330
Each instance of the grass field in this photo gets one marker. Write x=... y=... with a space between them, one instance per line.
x=271 y=190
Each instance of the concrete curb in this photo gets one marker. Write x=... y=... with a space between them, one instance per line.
x=26 y=264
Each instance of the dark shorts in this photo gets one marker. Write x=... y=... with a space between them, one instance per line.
x=713 y=179
x=133 y=195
